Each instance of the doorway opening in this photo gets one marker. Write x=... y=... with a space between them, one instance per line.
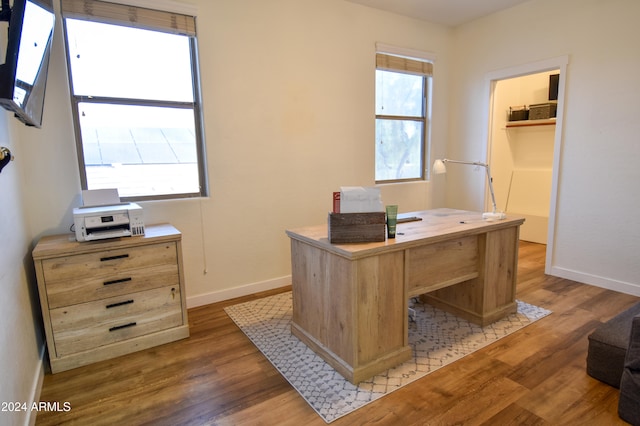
x=524 y=154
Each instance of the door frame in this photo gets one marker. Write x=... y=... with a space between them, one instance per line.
x=558 y=63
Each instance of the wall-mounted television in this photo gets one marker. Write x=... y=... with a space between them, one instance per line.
x=23 y=76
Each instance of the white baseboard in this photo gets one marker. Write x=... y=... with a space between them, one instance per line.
x=37 y=387
x=245 y=290
x=603 y=282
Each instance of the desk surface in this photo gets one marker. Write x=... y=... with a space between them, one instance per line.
x=436 y=225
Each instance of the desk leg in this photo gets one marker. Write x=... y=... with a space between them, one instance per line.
x=352 y=313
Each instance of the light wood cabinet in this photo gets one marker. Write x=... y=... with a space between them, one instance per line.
x=103 y=299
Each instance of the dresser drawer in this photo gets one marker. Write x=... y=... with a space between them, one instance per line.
x=86 y=277
x=90 y=325
x=71 y=292
x=108 y=262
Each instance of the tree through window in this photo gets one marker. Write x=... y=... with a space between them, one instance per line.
x=402 y=91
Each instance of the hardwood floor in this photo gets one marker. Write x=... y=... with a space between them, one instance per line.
x=217 y=376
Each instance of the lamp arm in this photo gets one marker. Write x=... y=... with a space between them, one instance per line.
x=493 y=197
x=486 y=167
x=473 y=163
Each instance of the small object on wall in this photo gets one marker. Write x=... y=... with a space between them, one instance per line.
x=5 y=157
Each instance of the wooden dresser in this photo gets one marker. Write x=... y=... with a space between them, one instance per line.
x=107 y=298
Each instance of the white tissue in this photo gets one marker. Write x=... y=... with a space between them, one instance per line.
x=358 y=199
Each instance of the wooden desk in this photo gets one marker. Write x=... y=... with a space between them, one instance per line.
x=350 y=301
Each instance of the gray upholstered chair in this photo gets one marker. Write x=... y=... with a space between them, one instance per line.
x=608 y=346
x=629 y=404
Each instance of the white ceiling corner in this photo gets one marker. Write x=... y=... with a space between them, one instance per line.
x=451 y=13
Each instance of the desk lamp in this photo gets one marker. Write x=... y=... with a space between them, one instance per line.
x=440 y=168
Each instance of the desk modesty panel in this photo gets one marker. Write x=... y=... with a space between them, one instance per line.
x=350 y=301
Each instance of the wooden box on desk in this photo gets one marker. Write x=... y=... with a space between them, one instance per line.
x=356 y=227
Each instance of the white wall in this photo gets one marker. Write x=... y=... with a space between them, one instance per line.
x=288 y=114
x=21 y=337
x=21 y=343
x=597 y=234
x=288 y=105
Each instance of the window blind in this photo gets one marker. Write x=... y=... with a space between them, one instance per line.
x=400 y=63
x=133 y=16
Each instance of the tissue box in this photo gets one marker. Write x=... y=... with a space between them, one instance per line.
x=357 y=227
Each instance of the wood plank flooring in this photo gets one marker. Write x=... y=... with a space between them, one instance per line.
x=217 y=376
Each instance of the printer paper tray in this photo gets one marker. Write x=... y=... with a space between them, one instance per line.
x=101 y=235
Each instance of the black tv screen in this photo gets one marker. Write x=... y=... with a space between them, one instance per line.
x=23 y=76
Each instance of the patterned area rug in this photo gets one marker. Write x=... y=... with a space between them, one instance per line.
x=437 y=338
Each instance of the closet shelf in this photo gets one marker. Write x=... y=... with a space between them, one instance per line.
x=529 y=123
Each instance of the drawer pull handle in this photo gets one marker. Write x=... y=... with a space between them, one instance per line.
x=108 y=258
x=121 y=280
x=114 y=305
x=120 y=327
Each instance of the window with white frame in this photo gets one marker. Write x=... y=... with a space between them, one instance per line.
x=135 y=99
x=402 y=100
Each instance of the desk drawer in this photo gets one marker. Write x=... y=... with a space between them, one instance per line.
x=442 y=264
x=108 y=262
x=90 y=325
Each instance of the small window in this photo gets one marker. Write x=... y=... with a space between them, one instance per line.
x=134 y=92
x=402 y=99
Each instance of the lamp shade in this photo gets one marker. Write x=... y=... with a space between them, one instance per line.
x=439 y=167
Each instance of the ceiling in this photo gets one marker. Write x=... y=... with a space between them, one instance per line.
x=446 y=12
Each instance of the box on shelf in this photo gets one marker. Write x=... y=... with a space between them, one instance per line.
x=357 y=227
x=518 y=113
x=542 y=111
